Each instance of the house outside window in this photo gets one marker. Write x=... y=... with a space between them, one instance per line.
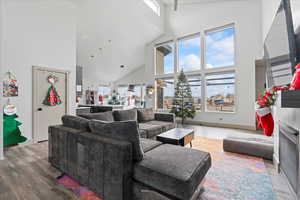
x=220 y=92
x=195 y=84
x=164 y=54
x=165 y=93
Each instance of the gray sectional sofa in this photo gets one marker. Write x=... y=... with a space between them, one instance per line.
x=150 y=124
x=111 y=159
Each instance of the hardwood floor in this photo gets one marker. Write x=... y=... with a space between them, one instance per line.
x=25 y=174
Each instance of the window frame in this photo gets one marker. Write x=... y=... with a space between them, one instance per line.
x=214 y=30
x=203 y=71
x=190 y=75
x=155 y=89
x=174 y=58
x=235 y=92
x=189 y=37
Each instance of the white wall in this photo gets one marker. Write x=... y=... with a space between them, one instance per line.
x=1 y=72
x=40 y=33
x=137 y=76
x=269 y=10
x=129 y=24
x=246 y=15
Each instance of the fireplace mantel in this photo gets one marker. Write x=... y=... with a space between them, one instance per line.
x=287 y=119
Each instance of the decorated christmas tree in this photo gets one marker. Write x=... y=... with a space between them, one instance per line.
x=11 y=132
x=182 y=105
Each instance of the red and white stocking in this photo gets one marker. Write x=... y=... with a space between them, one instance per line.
x=295 y=85
x=265 y=120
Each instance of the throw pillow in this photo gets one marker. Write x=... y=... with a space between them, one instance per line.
x=125 y=131
x=103 y=116
x=76 y=122
x=125 y=115
x=145 y=115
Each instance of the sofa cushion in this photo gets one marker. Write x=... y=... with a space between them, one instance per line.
x=148 y=144
x=104 y=116
x=125 y=131
x=145 y=115
x=125 y=115
x=165 y=125
x=174 y=170
x=143 y=133
x=76 y=122
x=151 y=130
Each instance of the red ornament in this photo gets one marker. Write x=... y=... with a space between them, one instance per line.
x=295 y=85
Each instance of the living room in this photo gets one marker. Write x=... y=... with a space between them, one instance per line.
x=100 y=96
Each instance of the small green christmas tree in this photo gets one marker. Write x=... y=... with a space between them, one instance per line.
x=11 y=131
x=182 y=105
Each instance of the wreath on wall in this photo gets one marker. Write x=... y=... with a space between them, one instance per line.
x=52 y=98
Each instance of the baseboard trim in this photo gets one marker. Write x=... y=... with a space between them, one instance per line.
x=222 y=125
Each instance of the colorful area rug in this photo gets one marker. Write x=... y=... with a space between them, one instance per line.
x=232 y=176
x=237 y=177
x=80 y=191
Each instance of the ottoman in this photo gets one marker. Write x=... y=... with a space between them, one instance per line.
x=258 y=147
x=171 y=171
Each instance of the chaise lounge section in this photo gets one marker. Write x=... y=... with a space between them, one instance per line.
x=111 y=159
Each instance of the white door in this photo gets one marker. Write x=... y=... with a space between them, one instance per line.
x=45 y=115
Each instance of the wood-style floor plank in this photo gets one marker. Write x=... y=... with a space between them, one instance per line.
x=25 y=174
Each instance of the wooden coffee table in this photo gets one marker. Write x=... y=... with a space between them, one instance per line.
x=177 y=136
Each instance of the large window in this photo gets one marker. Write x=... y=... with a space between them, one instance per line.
x=220 y=92
x=164 y=93
x=208 y=60
x=104 y=93
x=122 y=91
x=195 y=84
x=137 y=93
x=189 y=53
x=219 y=48
x=123 y=94
x=165 y=58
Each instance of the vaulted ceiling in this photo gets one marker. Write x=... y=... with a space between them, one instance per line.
x=114 y=33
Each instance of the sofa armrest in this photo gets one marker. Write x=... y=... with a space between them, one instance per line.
x=167 y=117
x=102 y=164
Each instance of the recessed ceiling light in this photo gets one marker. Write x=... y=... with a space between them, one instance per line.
x=122 y=66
